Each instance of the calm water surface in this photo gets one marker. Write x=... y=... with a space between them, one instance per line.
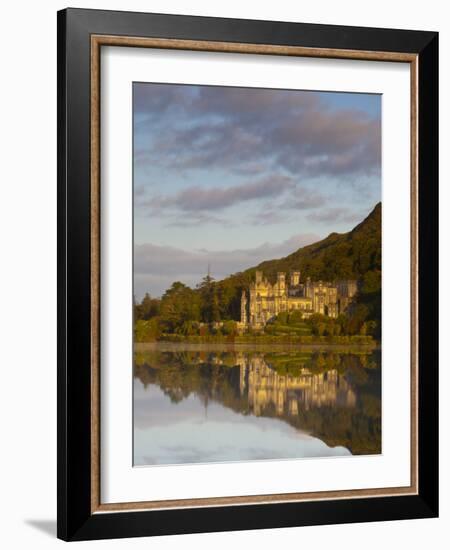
x=211 y=403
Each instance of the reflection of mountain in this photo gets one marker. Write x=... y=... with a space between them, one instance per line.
x=335 y=397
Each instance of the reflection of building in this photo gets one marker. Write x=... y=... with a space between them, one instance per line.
x=288 y=394
x=264 y=300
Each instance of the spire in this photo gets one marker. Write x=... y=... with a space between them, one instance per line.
x=243 y=307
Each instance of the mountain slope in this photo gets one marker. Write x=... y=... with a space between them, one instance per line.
x=339 y=256
x=352 y=255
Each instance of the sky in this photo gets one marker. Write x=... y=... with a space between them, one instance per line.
x=228 y=177
x=192 y=432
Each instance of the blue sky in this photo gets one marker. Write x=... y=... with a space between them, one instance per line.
x=233 y=176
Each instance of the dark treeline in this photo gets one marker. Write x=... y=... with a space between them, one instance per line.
x=183 y=310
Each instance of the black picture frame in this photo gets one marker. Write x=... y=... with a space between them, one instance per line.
x=75 y=518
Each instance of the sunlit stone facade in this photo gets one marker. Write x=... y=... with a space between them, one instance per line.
x=263 y=301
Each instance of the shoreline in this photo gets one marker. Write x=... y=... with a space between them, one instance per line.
x=232 y=346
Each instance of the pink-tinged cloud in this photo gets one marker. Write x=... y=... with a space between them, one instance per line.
x=192 y=127
x=196 y=198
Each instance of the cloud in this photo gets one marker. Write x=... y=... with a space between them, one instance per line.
x=197 y=198
x=195 y=219
x=329 y=142
x=336 y=214
x=269 y=216
x=298 y=198
x=157 y=267
x=227 y=103
x=245 y=130
x=303 y=198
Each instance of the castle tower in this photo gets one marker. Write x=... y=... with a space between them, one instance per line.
x=281 y=280
x=308 y=288
x=295 y=278
x=244 y=308
x=258 y=277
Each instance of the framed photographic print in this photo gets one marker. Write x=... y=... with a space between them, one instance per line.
x=247 y=252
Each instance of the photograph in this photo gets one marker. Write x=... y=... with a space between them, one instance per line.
x=257 y=269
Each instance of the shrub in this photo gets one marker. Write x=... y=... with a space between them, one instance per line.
x=147 y=331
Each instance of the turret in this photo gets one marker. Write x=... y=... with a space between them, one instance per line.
x=281 y=279
x=258 y=277
x=244 y=308
x=295 y=278
x=308 y=288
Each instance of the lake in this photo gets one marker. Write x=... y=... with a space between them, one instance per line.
x=200 y=403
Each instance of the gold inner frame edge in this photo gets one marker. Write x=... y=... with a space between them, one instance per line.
x=97 y=41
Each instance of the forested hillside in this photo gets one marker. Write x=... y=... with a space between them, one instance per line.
x=352 y=255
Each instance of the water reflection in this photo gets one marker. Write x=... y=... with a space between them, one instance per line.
x=213 y=404
x=286 y=394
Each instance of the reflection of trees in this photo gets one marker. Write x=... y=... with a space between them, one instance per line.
x=179 y=374
x=334 y=396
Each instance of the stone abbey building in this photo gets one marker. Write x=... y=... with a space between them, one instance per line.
x=263 y=300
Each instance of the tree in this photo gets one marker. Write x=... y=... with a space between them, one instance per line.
x=371 y=282
x=147 y=331
x=136 y=310
x=148 y=308
x=229 y=299
x=356 y=319
x=230 y=328
x=318 y=323
x=320 y=327
x=282 y=318
x=210 y=311
x=179 y=304
x=189 y=328
x=295 y=317
x=329 y=331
